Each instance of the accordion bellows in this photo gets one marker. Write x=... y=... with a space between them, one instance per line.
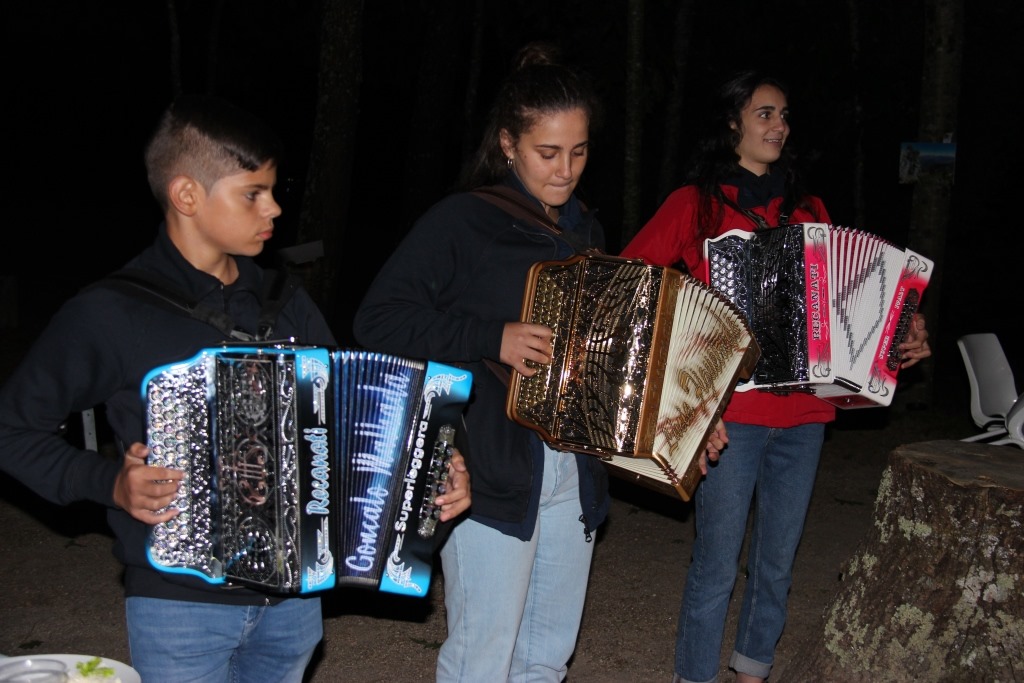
x=829 y=307
x=644 y=359
x=304 y=468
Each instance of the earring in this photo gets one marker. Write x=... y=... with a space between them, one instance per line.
x=510 y=162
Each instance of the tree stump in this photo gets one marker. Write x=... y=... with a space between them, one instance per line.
x=935 y=590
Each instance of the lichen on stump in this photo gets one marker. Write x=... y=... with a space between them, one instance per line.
x=935 y=590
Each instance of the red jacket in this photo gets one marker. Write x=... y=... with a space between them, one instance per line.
x=670 y=237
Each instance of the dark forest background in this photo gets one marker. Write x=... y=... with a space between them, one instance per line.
x=407 y=86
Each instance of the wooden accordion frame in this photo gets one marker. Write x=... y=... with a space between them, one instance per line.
x=644 y=360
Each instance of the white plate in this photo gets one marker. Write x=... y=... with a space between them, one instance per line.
x=122 y=671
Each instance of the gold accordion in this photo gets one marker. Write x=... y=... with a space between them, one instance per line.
x=644 y=361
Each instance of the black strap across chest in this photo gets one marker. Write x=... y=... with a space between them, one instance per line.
x=279 y=286
x=515 y=204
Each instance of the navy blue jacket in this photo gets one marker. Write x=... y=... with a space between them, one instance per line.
x=445 y=295
x=96 y=350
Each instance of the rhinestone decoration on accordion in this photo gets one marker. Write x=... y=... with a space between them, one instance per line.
x=537 y=393
x=228 y=423
x=179 y=437
x=764 y=278
x=256 y=468
x=592 y=390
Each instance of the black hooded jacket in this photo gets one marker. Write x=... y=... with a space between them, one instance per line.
x=96 y=350
x=445 y=294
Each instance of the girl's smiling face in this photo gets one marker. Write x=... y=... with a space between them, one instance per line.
x=764 y=128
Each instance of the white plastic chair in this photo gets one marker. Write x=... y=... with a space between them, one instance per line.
x=1014 y=426
x=993 y=390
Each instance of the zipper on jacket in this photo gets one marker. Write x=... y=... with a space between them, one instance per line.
x=586 y=530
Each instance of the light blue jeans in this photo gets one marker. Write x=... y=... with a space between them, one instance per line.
x=193 y=642
x=774 y=468
x=514 y=607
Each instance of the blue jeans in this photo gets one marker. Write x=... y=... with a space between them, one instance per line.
x=514 y=607
x=193 y=642
x=774 y=468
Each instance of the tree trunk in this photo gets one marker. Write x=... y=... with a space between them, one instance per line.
x=470 y=107
x=175 y=35
x=328 y=181
x=431 y=112
x=930 y=212
x=668 y=177
x=935 y=591
x=634 y=120
x=859 y=211
x=215 y=14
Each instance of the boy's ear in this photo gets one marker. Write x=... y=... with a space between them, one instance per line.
x=184 y=194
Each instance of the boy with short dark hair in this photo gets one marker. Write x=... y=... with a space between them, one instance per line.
x=212 y=168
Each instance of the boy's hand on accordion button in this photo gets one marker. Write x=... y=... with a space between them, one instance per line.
x=144 y=491
x=713 y=450
x=915 y=344
x=456 y=497
x=524 y=346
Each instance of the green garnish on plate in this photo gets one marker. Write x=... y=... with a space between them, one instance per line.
x=92 y=668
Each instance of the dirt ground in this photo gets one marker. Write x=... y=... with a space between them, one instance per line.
x=62 y=593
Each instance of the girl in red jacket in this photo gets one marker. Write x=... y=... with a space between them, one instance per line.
x=744 y=177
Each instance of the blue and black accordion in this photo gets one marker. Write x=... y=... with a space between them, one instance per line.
x=306 y=468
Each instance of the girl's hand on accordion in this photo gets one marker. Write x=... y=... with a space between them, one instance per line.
x=145 y=491
x=713 y=450
x=915 y=344
x=524 y=343
x=456 y=497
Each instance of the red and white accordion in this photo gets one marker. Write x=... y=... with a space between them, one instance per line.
x=643 y=362
x=305 y=468
x=829 y=307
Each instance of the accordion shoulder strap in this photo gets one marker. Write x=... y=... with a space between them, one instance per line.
x=279 y=285
x=500 y=371
x=515 y=204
